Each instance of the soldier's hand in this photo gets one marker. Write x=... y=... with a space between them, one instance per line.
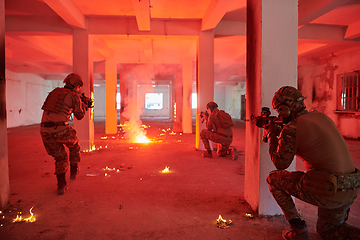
x=272 y=129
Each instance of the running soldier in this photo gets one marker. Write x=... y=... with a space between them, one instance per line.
x=218 y=130
x=331 y=181
x=56 y=131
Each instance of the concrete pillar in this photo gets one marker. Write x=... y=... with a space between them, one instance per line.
x=123 y=95
x=271 y=64
x=178 y=112
x=83 y=65
x=187 y=93
x=205 y=79
x=4 y=166
x=110 y=96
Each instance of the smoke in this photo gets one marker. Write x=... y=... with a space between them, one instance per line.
x=133 y=122
x=142 y=77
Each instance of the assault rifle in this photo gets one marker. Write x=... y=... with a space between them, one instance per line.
x=264 y=120
x=203 y=115
x=87 y=101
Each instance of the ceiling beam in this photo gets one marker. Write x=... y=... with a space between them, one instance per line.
x=104 y=49
x=230 y=28
x=310 y=10
x=25 y=25
x=128 y=26
x=322 y=32
x=353 y=31
x=142 y=12
x=216 y=11
x=68 y=11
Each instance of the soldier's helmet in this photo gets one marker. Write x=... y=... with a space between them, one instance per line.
x=72 y=80
x=286 y=95
x=211 y=105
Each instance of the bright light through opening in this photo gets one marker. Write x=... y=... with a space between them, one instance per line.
x=153 y=100
x=118 y=101
x=194 y=100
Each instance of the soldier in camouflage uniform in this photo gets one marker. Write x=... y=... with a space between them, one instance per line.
x=56 y=131
x=331 y=181
x=216 y=133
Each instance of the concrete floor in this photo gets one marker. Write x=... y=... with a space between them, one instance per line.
x=138 y=201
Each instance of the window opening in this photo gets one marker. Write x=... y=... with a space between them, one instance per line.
x=154 y=100
x=349 y=92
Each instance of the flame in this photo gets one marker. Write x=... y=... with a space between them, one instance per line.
x=29 y=219
x=166 y=170
x=141 y=138
x=222 y=223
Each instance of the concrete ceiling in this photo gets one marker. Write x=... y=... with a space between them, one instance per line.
x=161 y=33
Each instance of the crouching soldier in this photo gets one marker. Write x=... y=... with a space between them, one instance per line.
x=331 y=181
x=56 y=131
x=218 y=130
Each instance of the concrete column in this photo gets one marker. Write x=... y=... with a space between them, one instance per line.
x=4 y=166
x=205 y=79
x=110 y=96
x=123 y=95
x=187 y=92
x=271 y=64
x=179 y=102
x=83 y=65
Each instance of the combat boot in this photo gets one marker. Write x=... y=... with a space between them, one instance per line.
x=207 y=154
x=74 y=170
x=61 y=184
x=298 y=230
x=234 y=154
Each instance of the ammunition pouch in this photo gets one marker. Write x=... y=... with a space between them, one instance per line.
x=328 y=184
x=320 y=183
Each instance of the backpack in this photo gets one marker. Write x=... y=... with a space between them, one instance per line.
x=225 y=119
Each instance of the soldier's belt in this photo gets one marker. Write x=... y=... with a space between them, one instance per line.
x=327 y=184
x=224 y=135
x=53 y=124
x=348 y=182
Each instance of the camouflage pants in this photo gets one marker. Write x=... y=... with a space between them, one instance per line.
x=54 y=145
x=224 y=142
x=331 y=215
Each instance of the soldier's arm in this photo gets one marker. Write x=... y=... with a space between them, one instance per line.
x=210 y=122
x=79 y=107
x=282 y=148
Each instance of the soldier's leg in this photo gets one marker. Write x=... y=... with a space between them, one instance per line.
x=56 y=149
x=223 y=144
x=74 y=149
x=205 y=136
x=331 y=223
x=283 y=185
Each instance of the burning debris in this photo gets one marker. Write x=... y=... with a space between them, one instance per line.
x=29 y=219
x=166 y=170
x=94 y=149
x=222 y=223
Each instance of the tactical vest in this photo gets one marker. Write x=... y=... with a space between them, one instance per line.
x=55 y=101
